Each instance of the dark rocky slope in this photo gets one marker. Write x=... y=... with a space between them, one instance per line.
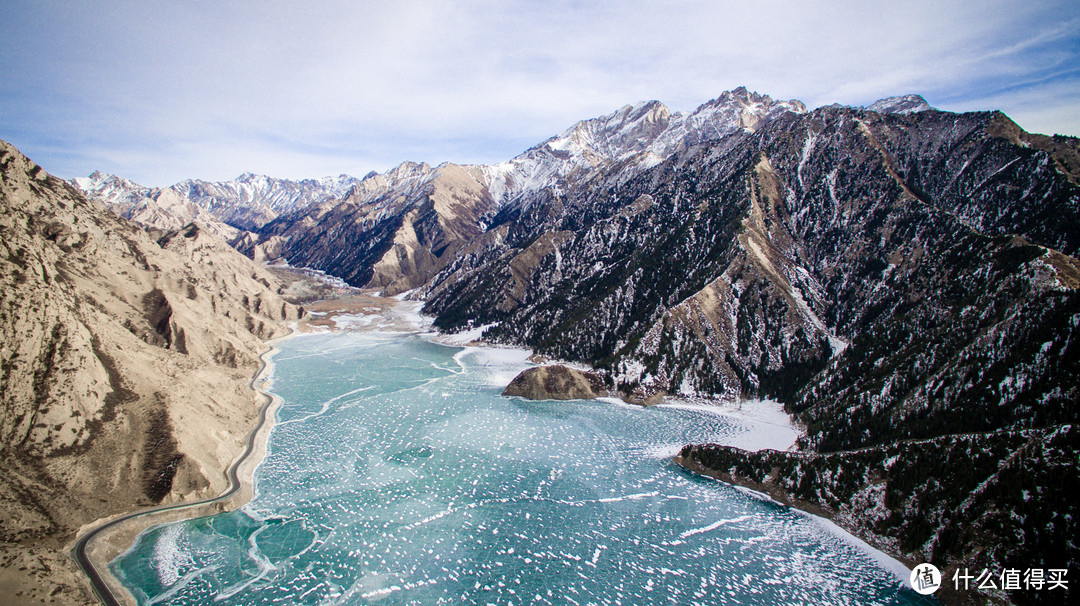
x=766 y=252
x=976 y=501
x=396 y=230
x=904 y=283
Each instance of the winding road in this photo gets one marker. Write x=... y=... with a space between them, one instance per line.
x=78 y=551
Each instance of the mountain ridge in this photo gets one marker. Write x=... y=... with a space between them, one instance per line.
x=404 y=230
x=250 y=201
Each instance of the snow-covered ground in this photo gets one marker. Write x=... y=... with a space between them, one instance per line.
x=888 y=563
x=766 y=424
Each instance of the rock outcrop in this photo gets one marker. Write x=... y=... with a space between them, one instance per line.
x=126 y=357
x=556 y=382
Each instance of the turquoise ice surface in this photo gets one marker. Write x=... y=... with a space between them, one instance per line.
x=397 y=474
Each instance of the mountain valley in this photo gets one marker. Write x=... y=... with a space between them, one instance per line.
x=903 y=279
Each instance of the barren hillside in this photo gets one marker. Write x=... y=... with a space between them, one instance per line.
x=126 y=357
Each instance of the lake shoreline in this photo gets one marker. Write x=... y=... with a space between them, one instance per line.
x=98 y=543
x=101 y=541
x=396 y=316
x=896 y=563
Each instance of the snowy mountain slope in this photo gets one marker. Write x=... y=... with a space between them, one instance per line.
x=633 y=138
x=765 y=249
x=620 y=145
x=393 y=231
x=903 y=104
x=636 y=136
x=162 y=209
x=377 y=217
x=117 y=193
x=245 y=203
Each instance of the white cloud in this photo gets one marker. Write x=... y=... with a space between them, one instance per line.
x=161 y=90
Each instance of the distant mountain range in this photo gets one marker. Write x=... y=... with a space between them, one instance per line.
x=367 y=227
x=247 y=202
x=903 y=279
x=641 y=135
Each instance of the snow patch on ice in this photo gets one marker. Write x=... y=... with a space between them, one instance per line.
x=464 y=337
x=169 y=557
x=714 y=526
x=409 y=312
x=354 y=321
x=884 y=560
x=499 y=364
x=764 y=423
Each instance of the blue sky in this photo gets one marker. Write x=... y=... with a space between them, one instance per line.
x=162 y=91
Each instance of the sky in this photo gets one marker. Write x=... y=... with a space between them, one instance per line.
x=161 y=91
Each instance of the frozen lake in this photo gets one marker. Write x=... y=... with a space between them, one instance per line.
x=397 y=474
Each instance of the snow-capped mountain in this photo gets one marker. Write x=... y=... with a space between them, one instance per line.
x=906 y=282
x=405 y=225
x=245 y=203
x=236 y=201
x=903 y=279
x=635 y=137
x=118 y=193
x=393 y=231
x=903 y=104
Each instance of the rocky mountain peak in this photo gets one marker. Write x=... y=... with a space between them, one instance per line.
x=404 y=178
x=410 y=169
x=625 y=131
x=629 y=118
x=737 y=109
x=99 y=180
x=742 y=98
x=636 y=137
x=902 y=104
